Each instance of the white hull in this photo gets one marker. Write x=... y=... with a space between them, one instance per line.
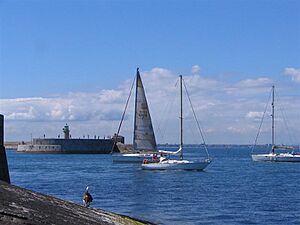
x=280 y=157
x=131 y=157
x=177 y=165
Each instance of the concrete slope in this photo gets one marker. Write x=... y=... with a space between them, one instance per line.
x=21 y=206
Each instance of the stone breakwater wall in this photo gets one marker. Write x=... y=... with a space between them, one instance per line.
x=56 y=145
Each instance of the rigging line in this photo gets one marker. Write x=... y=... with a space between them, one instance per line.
x=123 y=115
x=162 y=126
x=198 y=124
x=162 y=118
x=261 y=122
x=291 y=137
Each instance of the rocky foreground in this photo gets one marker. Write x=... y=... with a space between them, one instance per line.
x=21 y=206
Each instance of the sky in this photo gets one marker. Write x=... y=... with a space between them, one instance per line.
x=74 y=61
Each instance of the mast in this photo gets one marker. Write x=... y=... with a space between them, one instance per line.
x=273 y=122
x=116 y=135
x=135 y=106
x=181 y=119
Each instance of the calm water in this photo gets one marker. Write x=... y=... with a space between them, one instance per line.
x=233 y=190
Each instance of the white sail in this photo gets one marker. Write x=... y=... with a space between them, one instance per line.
x=143 y=138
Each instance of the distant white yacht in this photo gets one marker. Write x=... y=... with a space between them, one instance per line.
x=277 y=157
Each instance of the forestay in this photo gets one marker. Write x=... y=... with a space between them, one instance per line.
x=143 y=138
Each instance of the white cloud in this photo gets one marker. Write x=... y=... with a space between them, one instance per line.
x=74 y=106
x=107 y=96
x=254 y=115
x=196 y=69
x=294 y=73
x=251 y=83
x=25 y=115
x=223 y=109
x=250 y=86
x=238 y=130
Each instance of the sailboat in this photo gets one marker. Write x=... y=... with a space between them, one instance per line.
x=177 y=164
x=144 y=143
x=272 y=156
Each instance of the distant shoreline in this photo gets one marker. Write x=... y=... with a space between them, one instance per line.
x=12 y=145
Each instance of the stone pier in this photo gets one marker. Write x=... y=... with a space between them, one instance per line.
x=20 y=206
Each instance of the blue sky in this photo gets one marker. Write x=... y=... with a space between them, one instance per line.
x=49 y=49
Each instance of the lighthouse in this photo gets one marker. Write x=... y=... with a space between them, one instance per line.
x=66 y=131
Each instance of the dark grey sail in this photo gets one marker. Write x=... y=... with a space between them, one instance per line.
x=143 y=137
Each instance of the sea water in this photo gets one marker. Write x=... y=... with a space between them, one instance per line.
x=232 y=190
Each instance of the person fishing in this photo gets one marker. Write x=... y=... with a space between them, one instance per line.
x=87 y=198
